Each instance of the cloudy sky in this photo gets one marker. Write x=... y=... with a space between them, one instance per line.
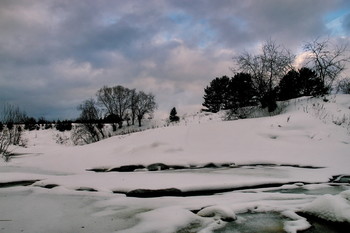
x=56 y=53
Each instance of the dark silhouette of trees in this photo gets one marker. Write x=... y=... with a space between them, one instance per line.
x=114 y=105
x=229 y=93
x=65 y=125
x=304 y=82
x=215 y=95
x=144 y=104
x=173 y=115
x=117 y=100
x=266 y=69
x=240 y=91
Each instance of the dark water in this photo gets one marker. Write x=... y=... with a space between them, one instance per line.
x=322 y=226
x=255 y=223
x=271 y=222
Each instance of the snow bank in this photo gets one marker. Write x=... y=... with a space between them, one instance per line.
x=164 y=220
x=334 y=208
x=218 y=212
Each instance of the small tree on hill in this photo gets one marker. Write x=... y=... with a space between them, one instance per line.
x=173 y=115
x=145 y=104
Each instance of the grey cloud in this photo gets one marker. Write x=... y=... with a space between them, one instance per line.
x=54 y=54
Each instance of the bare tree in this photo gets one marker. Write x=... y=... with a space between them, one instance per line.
x=266 y=68
x=326 y=59
x=11 y=132
x=145 y=104
x=133 y=105
x=106 y=99
x=116 y=100
x=88 y=131
x=4 y=143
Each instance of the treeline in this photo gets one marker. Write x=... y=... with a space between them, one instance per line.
x=264 y=78
x=114 y=106
x=226 y=93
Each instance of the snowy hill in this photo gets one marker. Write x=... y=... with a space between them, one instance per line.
x=307 y=143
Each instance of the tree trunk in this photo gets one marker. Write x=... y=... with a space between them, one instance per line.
x=139 y=119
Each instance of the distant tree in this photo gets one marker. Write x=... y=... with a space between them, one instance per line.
x=311 y=84
x=12 y=117
x=328 y=60
x=133 y=105
x=300 y=83
x=30 y=123
x=42 y=121
x=173 y=115
x=89 y=129
x=290 y=86
x=266 y=70
x=240 y=91
x=215 y=95
x=145 y=104
x=116 y=100
x=65 y=125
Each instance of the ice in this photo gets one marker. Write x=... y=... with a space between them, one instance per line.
x=218 y=212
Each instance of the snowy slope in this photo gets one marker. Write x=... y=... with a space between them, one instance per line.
x=309 y=133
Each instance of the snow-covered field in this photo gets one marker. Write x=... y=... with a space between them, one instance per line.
x=201 y=174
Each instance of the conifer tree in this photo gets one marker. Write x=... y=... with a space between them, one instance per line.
x=173 y=115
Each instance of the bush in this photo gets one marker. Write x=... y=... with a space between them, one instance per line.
x=63 y=125
x=344 y=86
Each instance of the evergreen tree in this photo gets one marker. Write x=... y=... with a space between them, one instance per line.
x=304 y=82
x=311 y=84
x=290 y=86
x=215 y=95
x=240 y=92
x=173 y=115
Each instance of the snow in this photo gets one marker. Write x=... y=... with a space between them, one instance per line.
x=218 y=212
x=308 y=143
x=334 y=208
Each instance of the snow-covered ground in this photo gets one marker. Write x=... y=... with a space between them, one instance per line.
x=279 y=164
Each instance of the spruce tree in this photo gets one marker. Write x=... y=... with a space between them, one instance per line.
x=215 y=95
x=173 y=115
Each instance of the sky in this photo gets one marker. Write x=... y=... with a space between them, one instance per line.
x=54 y=54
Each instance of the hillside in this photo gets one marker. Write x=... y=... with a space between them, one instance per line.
x=307 y=143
